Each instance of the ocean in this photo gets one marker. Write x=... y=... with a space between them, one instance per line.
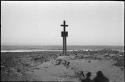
x=55 y=48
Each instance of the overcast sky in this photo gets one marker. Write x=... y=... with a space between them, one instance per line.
x=38 y=23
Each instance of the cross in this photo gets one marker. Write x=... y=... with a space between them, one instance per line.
x=64 y=25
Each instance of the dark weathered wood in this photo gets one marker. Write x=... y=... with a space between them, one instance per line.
x=64 y=34
x=64 y=25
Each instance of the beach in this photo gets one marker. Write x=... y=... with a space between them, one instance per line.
x=40 y=66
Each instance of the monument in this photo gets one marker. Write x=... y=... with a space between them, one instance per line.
x=64 y=34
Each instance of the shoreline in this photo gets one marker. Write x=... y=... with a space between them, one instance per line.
x=35 y=50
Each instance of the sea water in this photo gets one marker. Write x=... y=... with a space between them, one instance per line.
x=56 y=48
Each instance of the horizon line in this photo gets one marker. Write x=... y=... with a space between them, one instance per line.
x=61 y=45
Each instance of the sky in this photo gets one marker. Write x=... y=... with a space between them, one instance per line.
x=38 y=22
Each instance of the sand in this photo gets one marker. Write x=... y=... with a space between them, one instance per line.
x=51 y=72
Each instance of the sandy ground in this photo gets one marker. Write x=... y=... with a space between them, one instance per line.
x=50 y=72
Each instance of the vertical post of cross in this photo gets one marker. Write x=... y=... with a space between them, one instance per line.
x=64 y=34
